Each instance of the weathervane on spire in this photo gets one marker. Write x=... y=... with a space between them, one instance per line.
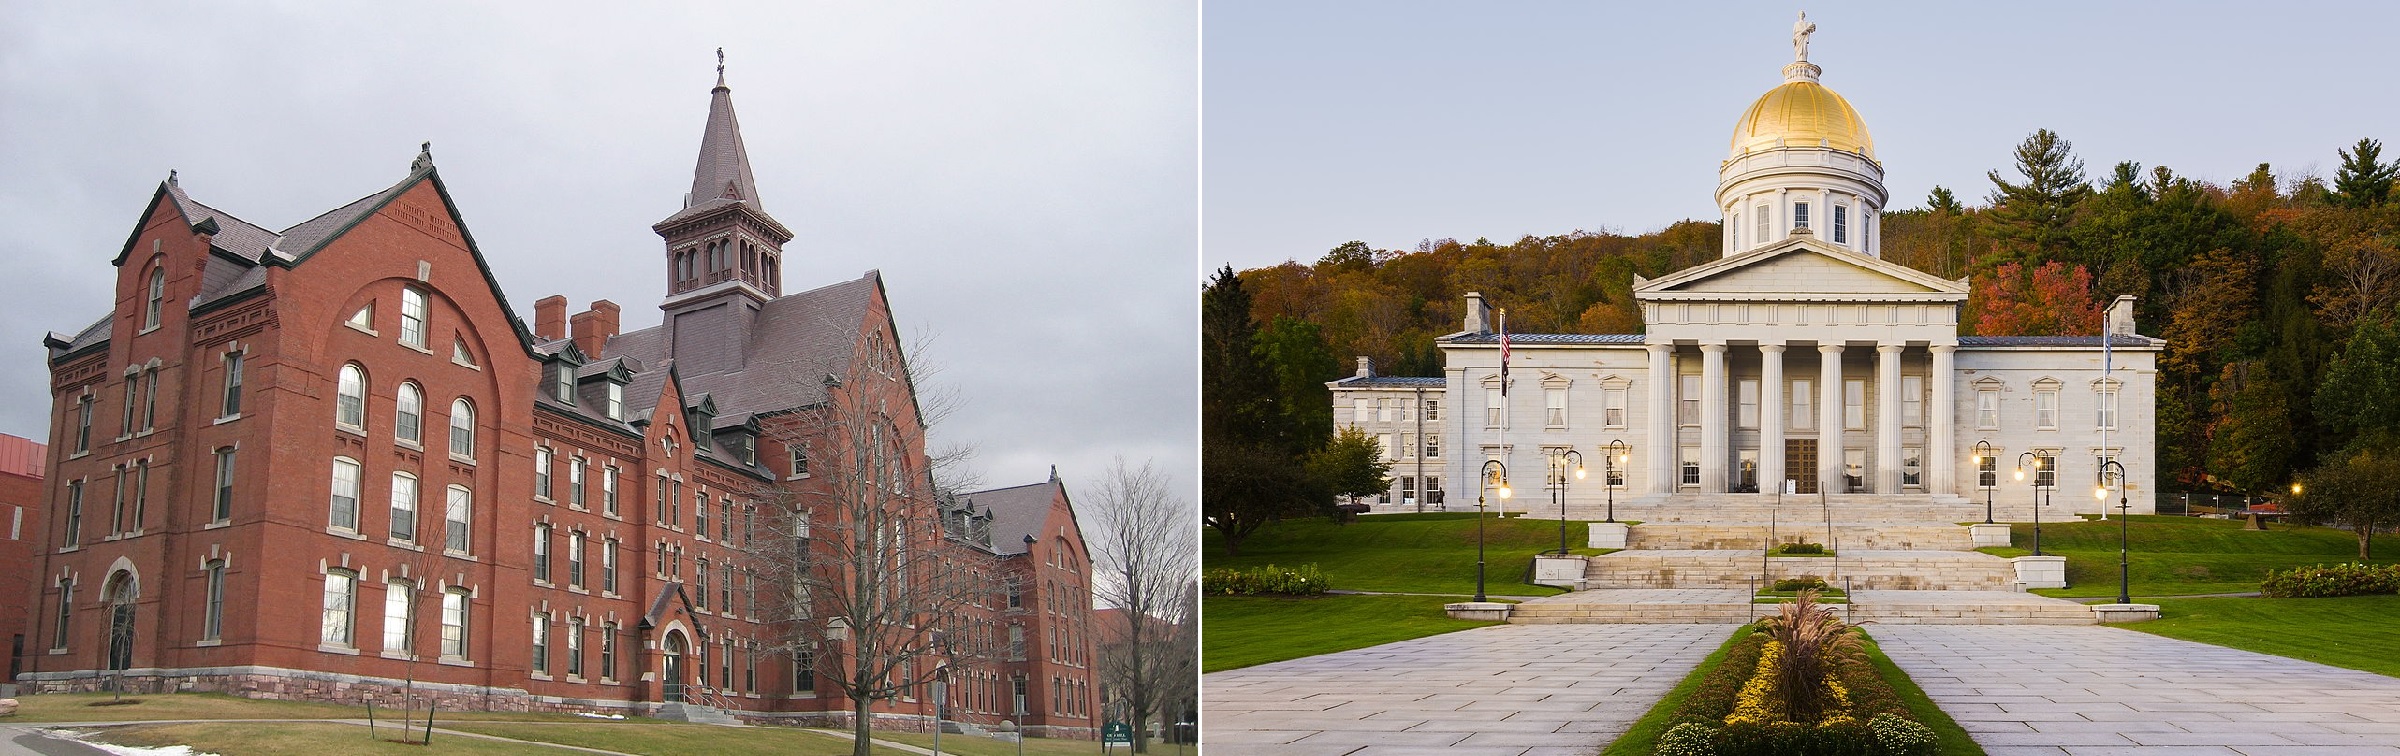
x=1800 y=31
x=721 y=65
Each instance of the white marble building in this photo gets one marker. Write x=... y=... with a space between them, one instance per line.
x=1799 y=357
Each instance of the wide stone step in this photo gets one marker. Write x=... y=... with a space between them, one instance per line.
x=1858 y=569
x=1756 y=536
x=1896 y=607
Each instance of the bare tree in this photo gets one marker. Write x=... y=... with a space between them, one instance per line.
x=1147 y=553
x=862 y=575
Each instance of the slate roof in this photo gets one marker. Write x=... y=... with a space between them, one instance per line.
x=1390 y=381
x=795 y=341
x=1017 y=512
x=2092 y=342
x=722 y=176
x=304 y=239
x=1547 y=338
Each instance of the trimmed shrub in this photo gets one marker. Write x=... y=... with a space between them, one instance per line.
x=1802 y=547
x=1801 y=583
x=1902 y=737
x=1304 y=580
x=1688 y=739
x=2326 y=581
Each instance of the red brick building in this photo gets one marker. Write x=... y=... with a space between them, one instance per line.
x=21 y=524
x=318 y=462
x=1050 y=659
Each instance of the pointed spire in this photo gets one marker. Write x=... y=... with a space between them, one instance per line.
x=723 y=171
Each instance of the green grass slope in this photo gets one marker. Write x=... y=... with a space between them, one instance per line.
x=2175 y=556
x=1241 y=631
x=1405 y=553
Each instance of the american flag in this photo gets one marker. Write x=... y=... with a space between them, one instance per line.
x=1504 y=352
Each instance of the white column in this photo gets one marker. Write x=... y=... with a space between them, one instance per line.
x=1770 y=418
x=1887 y=418
x=1661 y=441
x=1829 y=418
x=1713 y=425
x=1941 y=448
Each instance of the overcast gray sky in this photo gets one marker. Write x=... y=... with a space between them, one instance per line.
x=1393 y=121
x=1024 y=174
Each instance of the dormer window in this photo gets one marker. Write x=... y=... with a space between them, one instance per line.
x=616 y=400
x=566 y=382
x=746 y=446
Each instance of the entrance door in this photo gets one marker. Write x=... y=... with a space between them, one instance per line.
x=674 y=667
x=1800 y=463
x=1745 y=474
x=121 y=595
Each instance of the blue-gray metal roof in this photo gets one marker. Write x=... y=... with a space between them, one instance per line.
x=2055 y=341
x=1549 y=338
x=1390 y=381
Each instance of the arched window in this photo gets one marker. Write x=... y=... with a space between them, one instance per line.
x=156 y=299
x=462 y=429
x=350 y=398
x=408 y=414
x=121 y=592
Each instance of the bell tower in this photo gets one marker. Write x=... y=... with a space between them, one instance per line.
x=724 y=253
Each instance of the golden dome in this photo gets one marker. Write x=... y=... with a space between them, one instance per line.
x=1802 y=113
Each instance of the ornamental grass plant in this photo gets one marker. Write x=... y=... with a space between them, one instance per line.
x=1803 y=685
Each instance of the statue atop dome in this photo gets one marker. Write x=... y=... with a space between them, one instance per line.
x=1800 y=31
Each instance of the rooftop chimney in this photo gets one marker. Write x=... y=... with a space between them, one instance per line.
x=550 y=318
x=1479 y=318
x=594 y=327
x=1366 y=366
x=2120 y=316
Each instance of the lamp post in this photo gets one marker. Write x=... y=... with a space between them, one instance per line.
x=1558 y=479
x=1983 y=451
x=2036 y=461
x=1489 y=480
x=1618 y=452
x=2124 y=526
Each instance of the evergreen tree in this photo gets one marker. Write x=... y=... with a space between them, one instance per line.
x=2036 y=212
x=1250 y=470
x=1942 y=201
x=2363 y=181
x=1294 y=351
x=1351 y=256
x=2251 y=448
x=2360 y=396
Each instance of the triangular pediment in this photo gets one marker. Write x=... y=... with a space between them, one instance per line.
x=1801 y=268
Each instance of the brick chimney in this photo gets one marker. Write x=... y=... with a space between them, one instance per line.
x=594 y=327
x=550 y=318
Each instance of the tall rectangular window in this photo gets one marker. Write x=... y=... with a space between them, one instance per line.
x=1691 y=465
x=66 y=611
x=1987 y=472
x=221 y=508
x=575 y=559
x=1733 y=231
x=804 y=669
x=454 y=623
x=345 y=494
x=141 y=495
x=1854 y=404
x=566 y=382
x=541 y=644
x=575 y=648
x=2045 y=469
x=1495 y=406
x=725 y=590
x=1383 y=410
x=404 y=507
x=412 y=318
x=575 y=481
x=1912 y=466
x=133 y=387
x=1613 y=411
x=341 y=595
x=1987 y=409
x=541 y=472
x=1554 y=404
x=1841 y=224
x=700 y=575
x=2045 y=410
x=1746 y=413
x=1433 y=446
x=74 y=513
x=1799 y=215
x=700 y=514
x=608 y=565
x=608 y=651
x=1802 y=395
x=1433 y=409
x=83 y=425
x=608 y=490
x=2108 y=409
x=399 y=618
x=1687 y=404
x=212 y=624
x=1912 y=400
x=150 y=400
x=725 y=520
x=1765 y=230
x=616 y=400
x=1362 y=410
x=233 y=385
x=455 y=518
x=541 y=553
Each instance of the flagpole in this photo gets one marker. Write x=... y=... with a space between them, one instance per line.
x=2108 y=395
x=1505 y=457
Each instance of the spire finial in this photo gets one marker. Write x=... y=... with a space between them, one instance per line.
x=171 y=178
x=424 y=158
x=720 y=68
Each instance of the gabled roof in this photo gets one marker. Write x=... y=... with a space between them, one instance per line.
x=1017 y=512
x=795 y=340
x=1685 y=284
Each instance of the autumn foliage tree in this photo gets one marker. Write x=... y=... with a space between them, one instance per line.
x=2052 y=300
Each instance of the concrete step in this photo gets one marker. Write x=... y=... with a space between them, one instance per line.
x=1897 y=607
x=696 y=713
x=1863 y=569
x=1754 y=536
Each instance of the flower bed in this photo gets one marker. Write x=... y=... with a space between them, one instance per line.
x=1802 y=685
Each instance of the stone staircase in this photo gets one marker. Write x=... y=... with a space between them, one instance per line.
x=692 y=712
x=1860 y=569
x=1640 y=606
x=1745 y=536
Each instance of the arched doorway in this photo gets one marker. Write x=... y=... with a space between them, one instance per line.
x=673 y=679
x=121 y=592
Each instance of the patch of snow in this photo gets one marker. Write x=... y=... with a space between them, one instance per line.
x=599 y=716
x=118 y=750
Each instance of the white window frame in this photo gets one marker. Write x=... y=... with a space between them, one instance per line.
x=1912 y=466
x=457 y=611
x=1746 y=406
x=2045 y=409
x=405 y=490
x=342 y=508
x=1554 y=406
x=1800 y=215
x=1987 y=409
x=408 y=414
x=350 y=398
x=1613 y=416
x=1689 y=467
x=1912 y=401
x=1841 y=224
x=2107 y=408
x=458 y=520
x=399 y=617
x=340 y=625
x=1687 y=401
x=1804 y=415
x=412 y=318
x=1495 y=406
x=1854 y=404
x=462 y=429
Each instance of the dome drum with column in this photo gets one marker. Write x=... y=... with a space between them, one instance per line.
x=1801 y=157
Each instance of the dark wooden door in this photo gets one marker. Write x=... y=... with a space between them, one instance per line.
x=1800 y=463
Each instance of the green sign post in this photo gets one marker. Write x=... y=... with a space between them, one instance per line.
x=1116 y=733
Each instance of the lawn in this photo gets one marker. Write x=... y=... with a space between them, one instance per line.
x=1240 y=631
x=2357 y=632
x=647 y=737
x=2181 y=556
x=73 y=707
x=300 y=739
x=1406 y=553
x=969 y=745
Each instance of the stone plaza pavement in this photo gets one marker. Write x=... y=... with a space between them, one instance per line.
x=1513 y=690
x=2025 y=689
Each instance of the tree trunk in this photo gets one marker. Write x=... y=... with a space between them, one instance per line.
x=861 y=735
x=2366 y=539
